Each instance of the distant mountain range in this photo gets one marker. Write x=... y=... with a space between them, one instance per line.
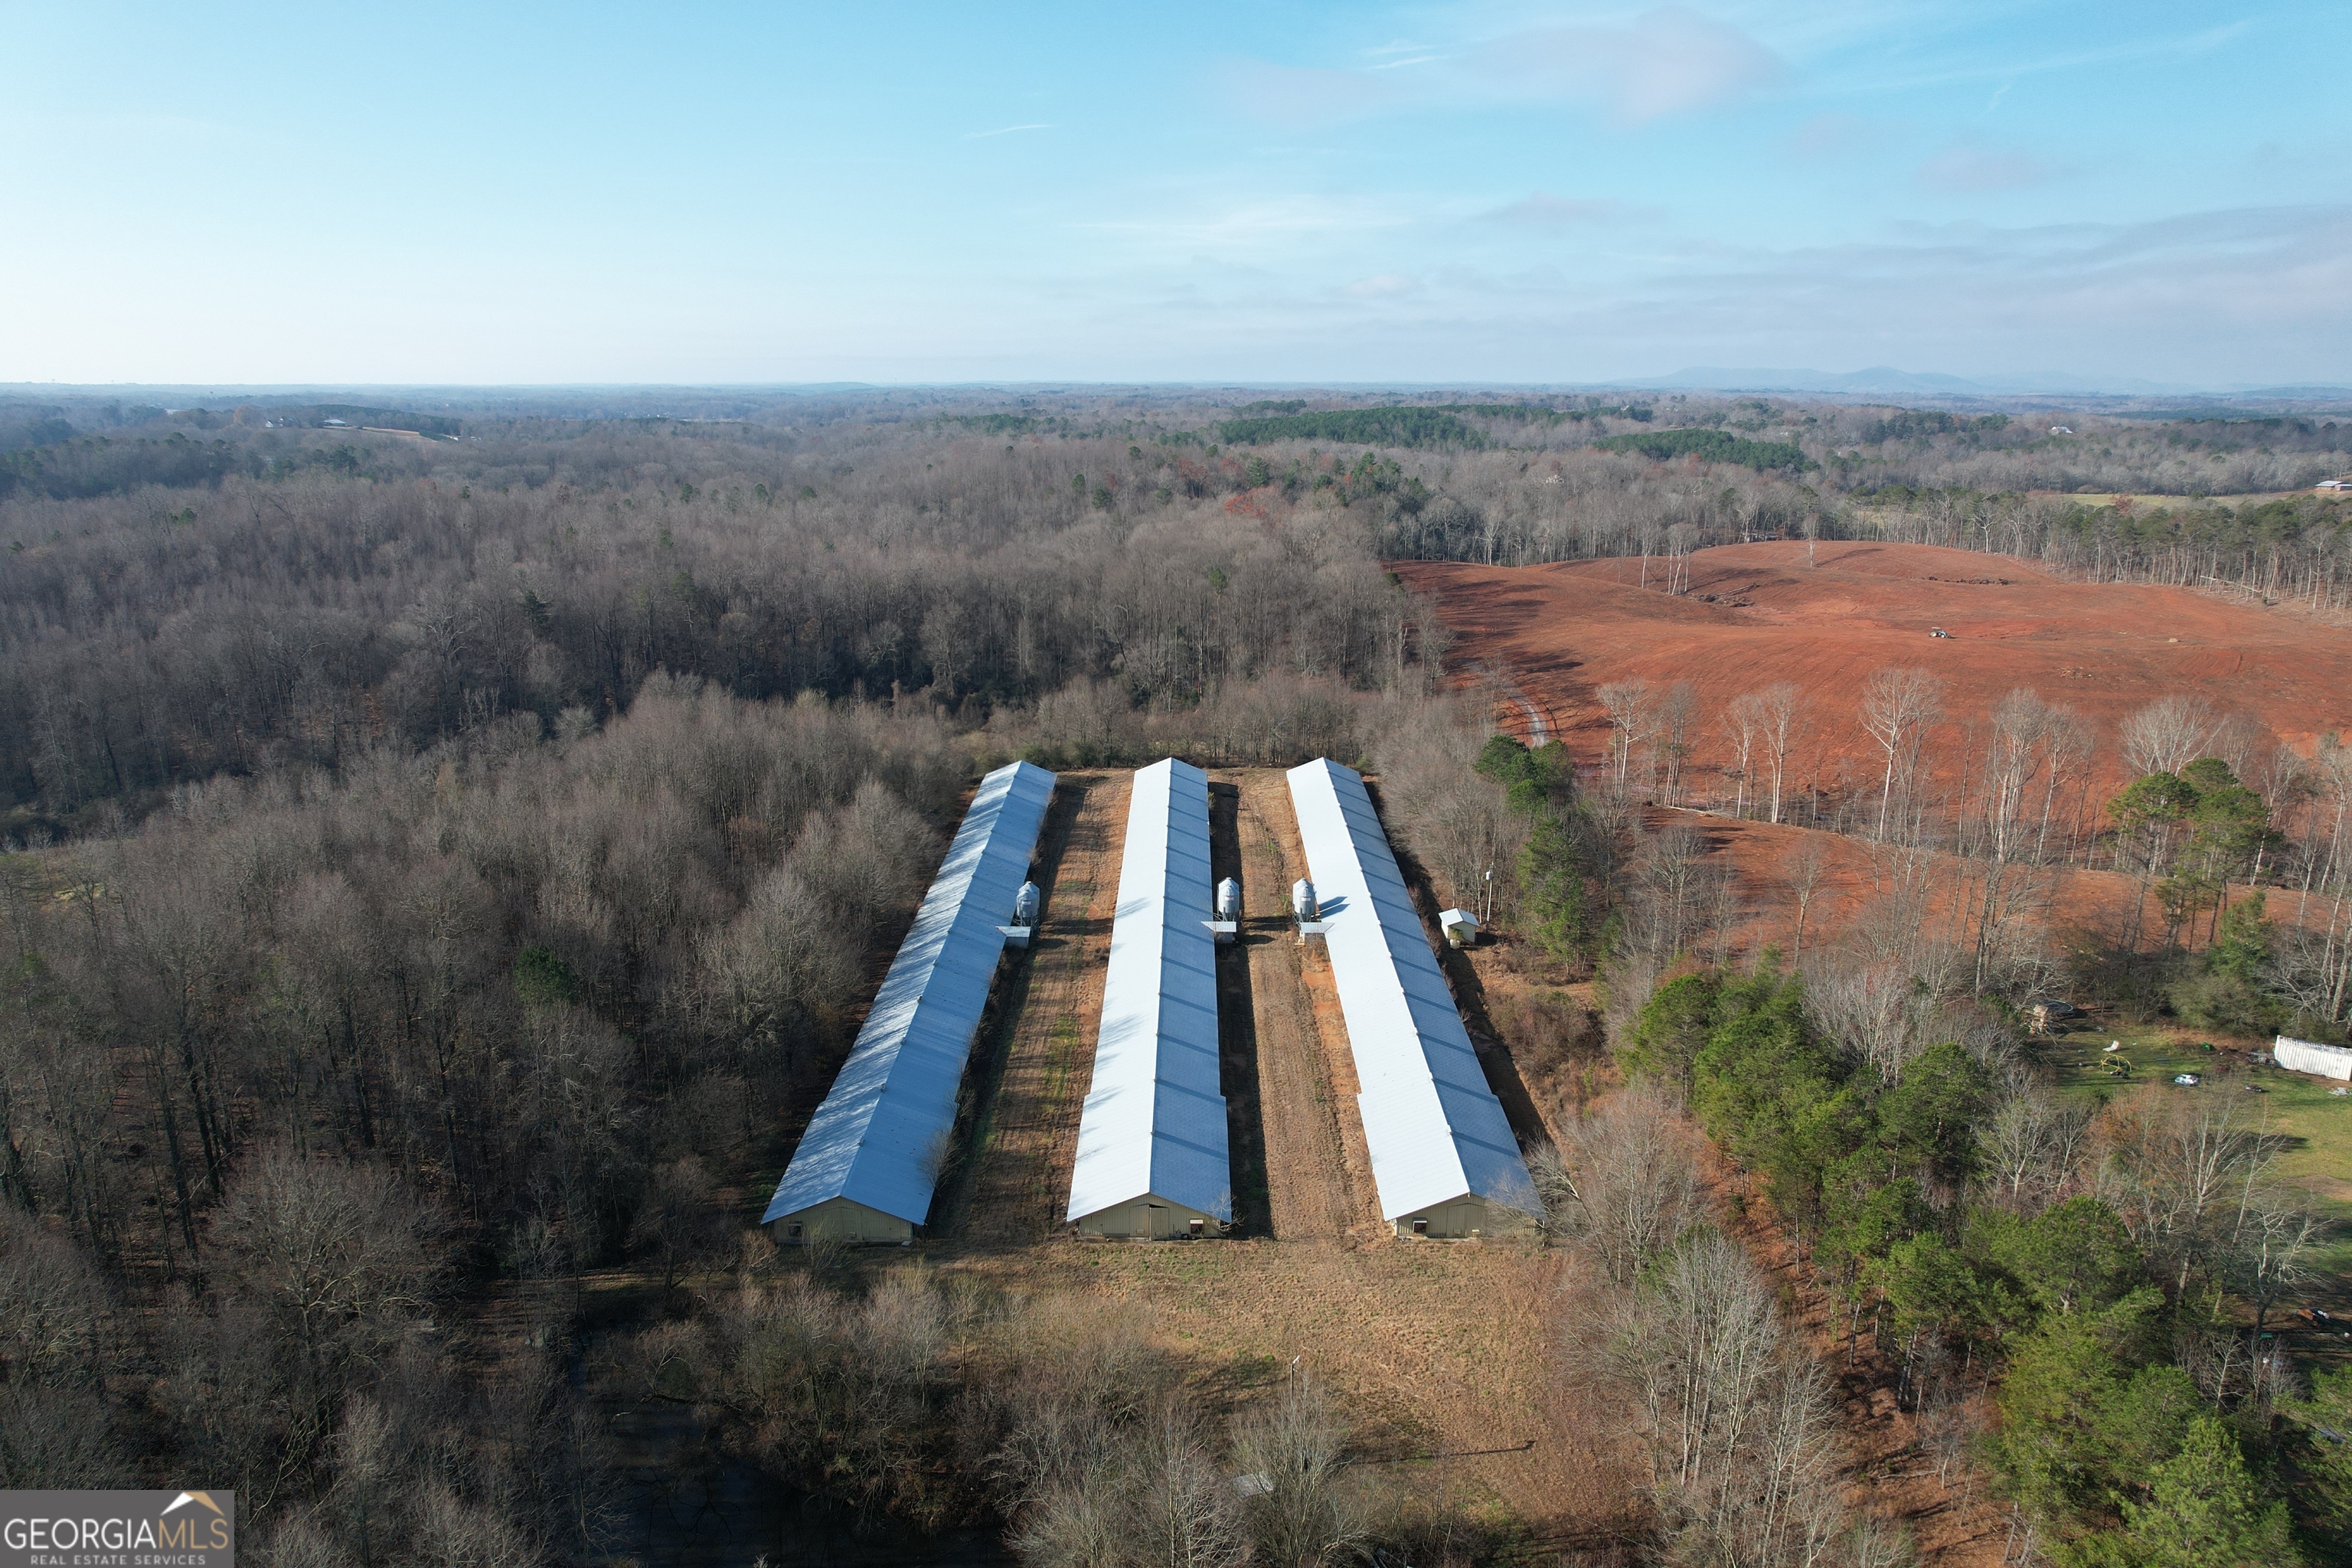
x=1886 y=380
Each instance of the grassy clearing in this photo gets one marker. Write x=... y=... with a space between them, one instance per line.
x=2317 y=1124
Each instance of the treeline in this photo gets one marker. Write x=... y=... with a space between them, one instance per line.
x=526 y=969
x=1391 y=426
x=2239 y=917
x=2105 y=1278
x=1504 y=483
x=1732 y=1442
x=78 y=465
x=1711 y=446
x=1730 y=1436
x=304 y=622
x=1912 y=423
x=2290 y=549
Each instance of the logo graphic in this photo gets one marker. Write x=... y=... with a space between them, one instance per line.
x=118 y=1530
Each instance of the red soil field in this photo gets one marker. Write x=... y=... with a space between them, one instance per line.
x=1857 y=873
x=1560 y=631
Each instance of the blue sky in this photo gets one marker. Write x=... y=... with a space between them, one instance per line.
x=1482 y=193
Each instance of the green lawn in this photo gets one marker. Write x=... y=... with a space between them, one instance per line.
x=2317 y=1124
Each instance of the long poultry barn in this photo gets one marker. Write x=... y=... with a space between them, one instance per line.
x=1444 y=1156
x=866 y=1168
x=1152 y=1155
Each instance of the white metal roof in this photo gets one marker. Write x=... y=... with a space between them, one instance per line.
x=1435 y=1130
x=1154 y=1123
x=876 y=1138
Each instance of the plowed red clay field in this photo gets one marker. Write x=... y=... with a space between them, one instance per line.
x=1756 y=613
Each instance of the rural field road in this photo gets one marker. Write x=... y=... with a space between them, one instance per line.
x=1318 y=1174
x=1026 y=1137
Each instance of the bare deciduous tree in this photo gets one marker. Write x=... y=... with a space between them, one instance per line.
x=677 y=1220
x=53 y=1306
x=1676 y=887
x=1621 y=1183
x=1457 y=821
x=333 y=1253
x=2033 y=1148
x=1785 y=716
x=1304 y=1511
x=1803 y=869
x=2167 y=734
x=1677 y=719
x=1738 y=1425
x=56 y=1439
x=1897 y=707
x=1743 y=720
x=2182 y=1170
x=1631 y=717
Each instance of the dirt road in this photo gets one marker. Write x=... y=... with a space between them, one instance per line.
x=1318 y=1173
x=1026 y=1134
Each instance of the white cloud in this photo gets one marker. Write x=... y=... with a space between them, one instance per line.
x=1308 y=95
x=1267 y=224
x=1545 y=210
x=1668 y=61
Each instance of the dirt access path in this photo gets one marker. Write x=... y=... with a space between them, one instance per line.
x=1024 y=1139
x=1318 y=1172
x=1301 y=1168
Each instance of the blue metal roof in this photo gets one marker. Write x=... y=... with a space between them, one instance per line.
x=1435 y=1130
x=1154 y=1122
x=876 y=1138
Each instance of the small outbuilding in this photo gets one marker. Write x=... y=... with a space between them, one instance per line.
x=2306 y=1055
